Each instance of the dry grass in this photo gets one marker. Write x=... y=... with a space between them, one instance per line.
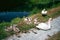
x=54 y=12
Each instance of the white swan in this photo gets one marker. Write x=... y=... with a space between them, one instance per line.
x=44 y=11
x=45 y=26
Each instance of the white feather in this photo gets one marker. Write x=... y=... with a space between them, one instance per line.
x=45 y=26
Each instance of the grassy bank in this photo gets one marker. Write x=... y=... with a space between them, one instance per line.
x=23 y=27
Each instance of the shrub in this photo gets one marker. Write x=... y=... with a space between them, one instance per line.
x=26 y=27
x=3 y=33
x=34 y=11
x=15 y=20
x=5 y=23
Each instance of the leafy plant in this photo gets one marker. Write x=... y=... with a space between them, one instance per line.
x=26 y=27
x=15 y=20
x=41 y=1
x=3 y=33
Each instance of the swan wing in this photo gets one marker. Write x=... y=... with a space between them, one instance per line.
x=43 y=26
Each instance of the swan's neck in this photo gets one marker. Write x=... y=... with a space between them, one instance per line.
x=49 y=22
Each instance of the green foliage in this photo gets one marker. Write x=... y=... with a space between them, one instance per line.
x=3 y=33
x=55 y=5
x=15 y=20
x=27 y=5
x=40 y=1
x=26 y=27
x=34 y=11
x=5 y=24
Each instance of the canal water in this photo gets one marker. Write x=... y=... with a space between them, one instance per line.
x=8 y=16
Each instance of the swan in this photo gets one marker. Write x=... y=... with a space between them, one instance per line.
x=44 y=26
x=44 y=11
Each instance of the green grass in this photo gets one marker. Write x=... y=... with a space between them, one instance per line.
x=3 y=33
x=34 y=11
x=26 y=27
x=16 y=20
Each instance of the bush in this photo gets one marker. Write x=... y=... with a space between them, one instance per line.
x=15 y=20
x=3 y=33
x=26 y=27
x=34 y=11
x=5 y=24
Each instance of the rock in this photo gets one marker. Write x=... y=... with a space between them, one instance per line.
x=27 y=20
x=8 y=28
x=15 y=29
x=35 y=21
